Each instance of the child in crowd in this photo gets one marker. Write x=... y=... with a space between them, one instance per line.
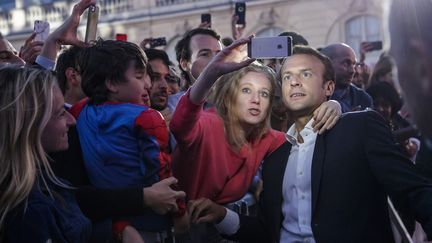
x=124 y=142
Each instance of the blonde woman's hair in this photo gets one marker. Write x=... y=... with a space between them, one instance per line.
x=224 y=97
x=26 y=96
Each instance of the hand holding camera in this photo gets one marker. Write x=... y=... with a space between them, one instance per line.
x=153 y=42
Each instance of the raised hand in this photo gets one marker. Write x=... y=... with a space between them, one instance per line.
x=31 y=49
x=237 y=30
x=228 y=60
x=66 y=34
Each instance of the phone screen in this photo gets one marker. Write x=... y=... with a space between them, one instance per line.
x=92 y=21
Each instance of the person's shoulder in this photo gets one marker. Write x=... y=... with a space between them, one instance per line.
x=150 y=118
x=359 y=91
x=36 y=208
x=357 y=114
x=175 y=97
x=360 y=117
x=76 y=109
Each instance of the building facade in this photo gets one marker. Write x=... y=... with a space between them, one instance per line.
x=321 y=22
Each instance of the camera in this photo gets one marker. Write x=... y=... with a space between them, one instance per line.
x=155 y=42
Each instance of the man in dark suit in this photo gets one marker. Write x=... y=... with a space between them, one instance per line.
x=331 y=187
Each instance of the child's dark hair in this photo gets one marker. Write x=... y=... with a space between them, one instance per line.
x=107 y=60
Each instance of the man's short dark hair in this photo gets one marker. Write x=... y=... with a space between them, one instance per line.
x=329 y=73
x=153 y=54
x=67 y=59
x=107 y=60
x=182 y=47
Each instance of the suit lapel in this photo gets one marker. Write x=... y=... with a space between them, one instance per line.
x=273 y=174
x=317 y=166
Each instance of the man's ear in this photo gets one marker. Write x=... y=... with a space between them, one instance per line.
x=185 y=65
x=329 y=87
x=111 y=87
x=71 y=76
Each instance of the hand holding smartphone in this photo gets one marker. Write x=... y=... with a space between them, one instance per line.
x=369 y=46
x=92 y=21
x=155 y=42
x=42 y=29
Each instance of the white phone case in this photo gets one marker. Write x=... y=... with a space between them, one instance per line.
x=270 y=47
x=42 y=29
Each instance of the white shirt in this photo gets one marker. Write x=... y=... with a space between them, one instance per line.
x=296 y=188
x=297 y=192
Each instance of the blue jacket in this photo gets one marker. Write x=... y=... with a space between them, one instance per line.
x=124 y=145
x=42 y=217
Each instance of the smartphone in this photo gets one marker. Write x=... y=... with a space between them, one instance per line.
x=206 y=18
x=240 y=11
x=376 y=45
x=42 y=29
x=270 y=47
x=92 y=21
x=155 y=42
x=121 y=37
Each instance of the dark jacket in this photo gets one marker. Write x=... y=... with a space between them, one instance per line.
x=355 y=166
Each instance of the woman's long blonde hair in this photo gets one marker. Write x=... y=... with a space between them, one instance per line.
x=26 y=96
x=224 y=98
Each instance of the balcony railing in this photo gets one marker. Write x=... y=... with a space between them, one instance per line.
x=173 y=2
x=14 y=21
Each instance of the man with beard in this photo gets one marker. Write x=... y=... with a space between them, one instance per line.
x=343 y=59
x=159 y=63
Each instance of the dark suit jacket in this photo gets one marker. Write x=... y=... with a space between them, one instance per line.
x=355 y=166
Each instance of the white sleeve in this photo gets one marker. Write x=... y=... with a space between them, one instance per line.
x=230 y=223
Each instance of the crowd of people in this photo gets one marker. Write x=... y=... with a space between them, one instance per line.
x=108 y=141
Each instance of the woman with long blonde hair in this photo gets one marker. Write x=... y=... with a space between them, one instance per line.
x=35 y=206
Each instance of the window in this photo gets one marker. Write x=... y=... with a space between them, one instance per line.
x=363 y=28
